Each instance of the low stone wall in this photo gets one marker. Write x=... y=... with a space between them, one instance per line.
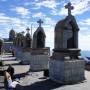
x=66 y=71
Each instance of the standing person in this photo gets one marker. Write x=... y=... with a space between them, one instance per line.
x=11 y=71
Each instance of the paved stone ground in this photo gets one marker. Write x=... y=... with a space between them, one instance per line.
x=36 y=81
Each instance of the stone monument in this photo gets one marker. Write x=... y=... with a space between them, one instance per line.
x=1 y=45
x=28 y=38
x=27 y=48
x=11 y=35
x=39 y=36
x=23 y=46
x=65 y=65
x=40 y=53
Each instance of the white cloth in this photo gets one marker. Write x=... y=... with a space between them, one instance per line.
x=12 y=84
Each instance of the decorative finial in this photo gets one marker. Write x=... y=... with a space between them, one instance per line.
x=69 y=7
x=27 y=29
x=40 y=22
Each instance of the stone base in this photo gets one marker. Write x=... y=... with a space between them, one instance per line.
x=26 y=57
x=66 y=71
x=23 y=54
x=39 y=62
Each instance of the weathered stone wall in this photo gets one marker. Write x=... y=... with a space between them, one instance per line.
x=18 y=53
x=68 y=71
x=24 y=56
x=39 y=62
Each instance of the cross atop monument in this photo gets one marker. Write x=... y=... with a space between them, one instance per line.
x=40 y=22
x=69 y=7
x=27 y=29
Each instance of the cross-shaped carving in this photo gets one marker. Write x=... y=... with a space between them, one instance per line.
x=40 y=22
x=69 y=7
x=28 y=30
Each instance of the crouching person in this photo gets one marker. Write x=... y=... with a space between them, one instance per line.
x=11 y=85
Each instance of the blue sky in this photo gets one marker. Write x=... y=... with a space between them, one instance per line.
x=20 y=14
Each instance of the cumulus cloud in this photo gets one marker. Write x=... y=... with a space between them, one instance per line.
x=47 y=3
x=49 y=21
x=39 y=15
x=21 y=10
x=85 y=22
x=6 y=23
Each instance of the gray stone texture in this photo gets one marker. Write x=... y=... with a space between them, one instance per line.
x=39 y=62
x=64 y=31
x=23 y=55
x=66 y=71
x=69 y=70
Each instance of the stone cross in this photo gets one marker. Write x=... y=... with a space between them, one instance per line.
x=69 y=7
x=40 y=22
x=28 y=30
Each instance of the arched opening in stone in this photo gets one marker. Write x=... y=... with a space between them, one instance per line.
x=71 y=41
x=40 y=40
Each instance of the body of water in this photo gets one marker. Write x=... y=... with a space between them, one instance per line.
x=85 y=53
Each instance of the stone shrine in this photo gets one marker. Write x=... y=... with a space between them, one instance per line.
x=39 y=36
x=65 y=65
x=12 y=35
x=28 y=38
x=40 y=53
x=23 y=46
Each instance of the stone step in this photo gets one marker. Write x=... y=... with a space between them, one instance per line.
x=8 y=58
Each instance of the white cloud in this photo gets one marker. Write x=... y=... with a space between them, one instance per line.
x=85 y=22
x=49 y=21
x=21 y=10
x=6 y=23
x=39 y=15
x=49 y=37
x=47 y=3
x=80 y=6
x=84 y=42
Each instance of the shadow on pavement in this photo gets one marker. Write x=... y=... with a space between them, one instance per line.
x=20 y=75
x=42 y=85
